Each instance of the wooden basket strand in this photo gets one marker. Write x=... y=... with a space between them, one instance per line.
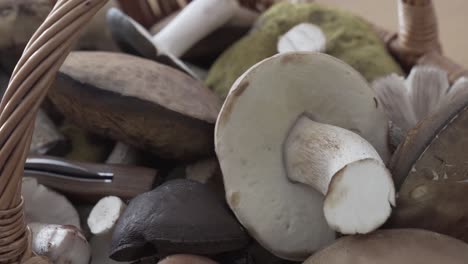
x=30 y=81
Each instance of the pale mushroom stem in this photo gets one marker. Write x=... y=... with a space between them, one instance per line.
x=196 y=21
x=358 y=189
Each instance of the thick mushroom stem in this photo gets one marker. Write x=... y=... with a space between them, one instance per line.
x=359 y=191
x=196 y=21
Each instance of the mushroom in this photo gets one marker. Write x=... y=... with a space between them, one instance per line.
x=349 y=38
x=206 y=171
x=196 y=21
x=43 y=205
x=303 y=37
x=289 y=108
x=186 y=259
x=409 y=101
x=205 y=51
x=180 y=216
x=101 y=222
x=429 y=169
x=138 y=102
x=123 y=154
x=61 y=244
x=18 y=21
x=84 y=146
x=405 y=246
x=46 y=137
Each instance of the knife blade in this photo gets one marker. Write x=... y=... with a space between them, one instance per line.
x=90 y=181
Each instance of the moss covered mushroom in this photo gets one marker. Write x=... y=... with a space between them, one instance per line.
x=349 y=38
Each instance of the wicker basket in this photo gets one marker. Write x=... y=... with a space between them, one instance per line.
x=416 y=43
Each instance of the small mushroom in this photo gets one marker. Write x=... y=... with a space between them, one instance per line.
x=404 y=246
x=303 y=37
x=180 y=216
x=47 y=139
x=276 y=114
x=101 y=222
x=186 y=259
x=409 y=101
x=123 y=154
x=430 y=168
x=43 y=205
x=138 y=102
x=61 y=244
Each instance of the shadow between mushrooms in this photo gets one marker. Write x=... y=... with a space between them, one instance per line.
x=139 y=102
x=296 y=127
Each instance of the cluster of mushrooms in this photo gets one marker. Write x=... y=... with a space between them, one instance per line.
x=319 y=151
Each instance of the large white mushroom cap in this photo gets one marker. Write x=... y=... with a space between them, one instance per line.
x=286 y=217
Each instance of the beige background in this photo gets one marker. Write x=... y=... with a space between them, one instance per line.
x=452 y=14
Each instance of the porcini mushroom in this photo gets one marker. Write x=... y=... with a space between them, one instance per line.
x=404 y=246
x=276 y=114
x=180 y=216
x=138 y=102
x=429 y=169
x=61 y=244
x=43 y=205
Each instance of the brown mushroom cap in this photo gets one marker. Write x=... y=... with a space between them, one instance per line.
x=430 y=171
x=186 y=259
x=402 y=246
x=139 y=102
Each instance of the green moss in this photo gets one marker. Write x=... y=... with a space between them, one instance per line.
x=85 y=146
x=349 y=38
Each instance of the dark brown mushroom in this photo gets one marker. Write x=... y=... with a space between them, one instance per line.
x=180 y=216
x=139 y=102
x=430 y=169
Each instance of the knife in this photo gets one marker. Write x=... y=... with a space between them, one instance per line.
x=90 y=182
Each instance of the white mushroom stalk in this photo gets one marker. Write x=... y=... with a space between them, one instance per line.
x=407 y=102
x=105 y=214
x=196 y=21
x=303 y=37
x=61 y=244
x=101 y=222
x=358 y=188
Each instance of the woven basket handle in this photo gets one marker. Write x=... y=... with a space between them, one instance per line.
x=417 y=40
x=30 y=81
